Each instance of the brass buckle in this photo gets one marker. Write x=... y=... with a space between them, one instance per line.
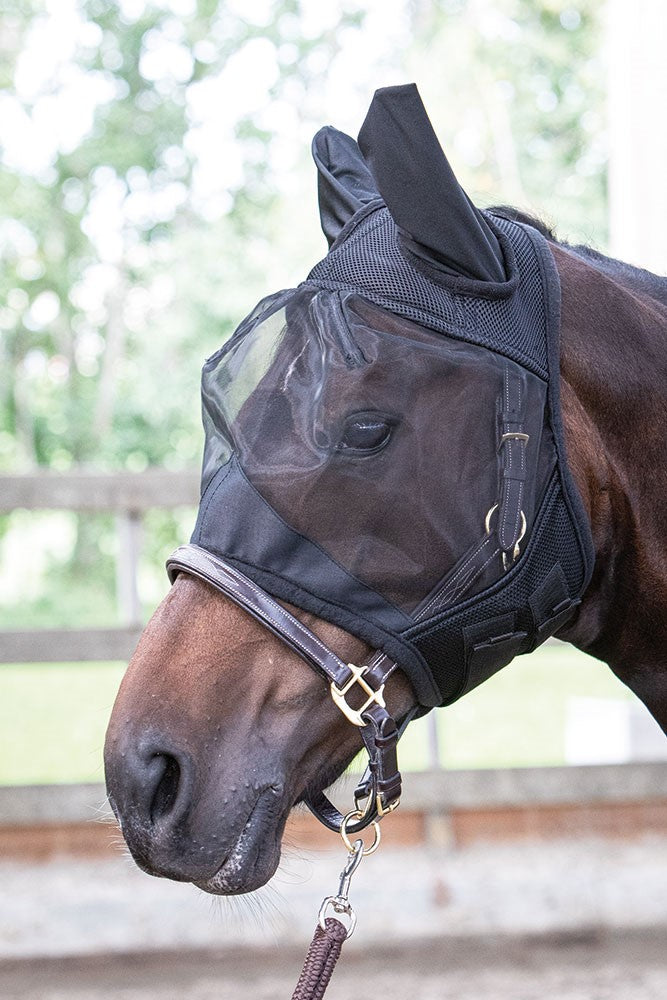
x=374 y=697
x=381 y=809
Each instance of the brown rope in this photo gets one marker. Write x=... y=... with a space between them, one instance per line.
x=320 y=961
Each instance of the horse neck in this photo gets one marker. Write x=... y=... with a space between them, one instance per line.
x=613 y=378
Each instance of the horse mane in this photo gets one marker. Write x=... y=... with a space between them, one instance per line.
x=636 y=278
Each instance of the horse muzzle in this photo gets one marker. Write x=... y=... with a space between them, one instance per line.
x=191 y=827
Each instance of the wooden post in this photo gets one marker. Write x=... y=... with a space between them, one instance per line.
x=637 y=85
x=434 y=758
x=128 y=531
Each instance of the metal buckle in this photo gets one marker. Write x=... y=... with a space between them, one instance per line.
x=381 y=810
x=513 y=436
x=374 y=696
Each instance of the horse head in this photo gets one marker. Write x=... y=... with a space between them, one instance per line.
x=382 y=456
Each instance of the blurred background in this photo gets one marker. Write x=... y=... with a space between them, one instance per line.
x=155 y=182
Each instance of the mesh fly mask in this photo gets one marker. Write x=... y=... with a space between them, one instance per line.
x=384 y=445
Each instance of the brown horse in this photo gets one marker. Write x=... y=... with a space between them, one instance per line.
x=219 y=728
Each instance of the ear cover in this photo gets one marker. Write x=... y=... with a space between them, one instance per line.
x=437 y=220
x=344 y=183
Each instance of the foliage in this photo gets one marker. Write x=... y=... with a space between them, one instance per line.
x=118 y=257
x=526 y=81
x=153 y=167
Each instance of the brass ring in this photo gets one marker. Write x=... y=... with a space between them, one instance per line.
x=359 y=814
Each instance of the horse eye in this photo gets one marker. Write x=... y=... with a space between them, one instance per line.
x=366 y=432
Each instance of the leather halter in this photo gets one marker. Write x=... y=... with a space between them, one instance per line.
x=380 y=787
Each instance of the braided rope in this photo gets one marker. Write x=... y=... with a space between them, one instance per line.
x=320 y=961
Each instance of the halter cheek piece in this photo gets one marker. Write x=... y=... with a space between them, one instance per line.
x=380 y=787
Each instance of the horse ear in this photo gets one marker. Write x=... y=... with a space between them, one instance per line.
x=420 y=190
x=344 y=181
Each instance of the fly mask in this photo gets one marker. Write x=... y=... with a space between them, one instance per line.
x=384 y=444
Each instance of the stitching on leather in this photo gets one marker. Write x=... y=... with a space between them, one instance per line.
x=549 y=499
x=437 y=597
x=282 y=613
x=471 y=580
x=234 y=584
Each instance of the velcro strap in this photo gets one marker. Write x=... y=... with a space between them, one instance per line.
x=491 y=644
x=550 y=604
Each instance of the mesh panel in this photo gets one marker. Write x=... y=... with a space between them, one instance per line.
x=370 y=262
x=554 y=541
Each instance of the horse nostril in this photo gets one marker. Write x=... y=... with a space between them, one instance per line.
x=166 y=789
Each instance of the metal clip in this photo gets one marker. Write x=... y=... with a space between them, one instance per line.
x=340 y=902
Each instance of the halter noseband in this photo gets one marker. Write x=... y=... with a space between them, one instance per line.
x=380 y=786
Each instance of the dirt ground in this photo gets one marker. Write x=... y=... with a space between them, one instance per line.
x=570 y=967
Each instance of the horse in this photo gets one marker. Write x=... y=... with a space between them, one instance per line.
x=220 y=727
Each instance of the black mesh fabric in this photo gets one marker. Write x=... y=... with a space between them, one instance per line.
x=371 y=261
x=442 y=640
x=375 y=540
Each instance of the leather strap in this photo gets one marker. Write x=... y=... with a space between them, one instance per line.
x=512 y=452
x=381 y=773
x=379 y=733
x=461 y=577
x=241 y=589
x=508 y=508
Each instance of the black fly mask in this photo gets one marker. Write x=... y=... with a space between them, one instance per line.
x=383 y=442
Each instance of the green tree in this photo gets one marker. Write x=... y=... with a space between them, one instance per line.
x=516 y=89
x=150 y=198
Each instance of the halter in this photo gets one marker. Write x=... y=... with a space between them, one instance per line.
x=379 y=790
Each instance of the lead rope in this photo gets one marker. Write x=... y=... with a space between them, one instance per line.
x=331 y=933
x=321 y=960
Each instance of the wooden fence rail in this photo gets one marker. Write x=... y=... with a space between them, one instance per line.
x=127 y=495
x=116 y=492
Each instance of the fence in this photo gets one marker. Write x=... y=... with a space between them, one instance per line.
x=127 y=495
x=438 y=809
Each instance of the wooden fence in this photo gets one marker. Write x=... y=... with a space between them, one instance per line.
x=126 y=495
